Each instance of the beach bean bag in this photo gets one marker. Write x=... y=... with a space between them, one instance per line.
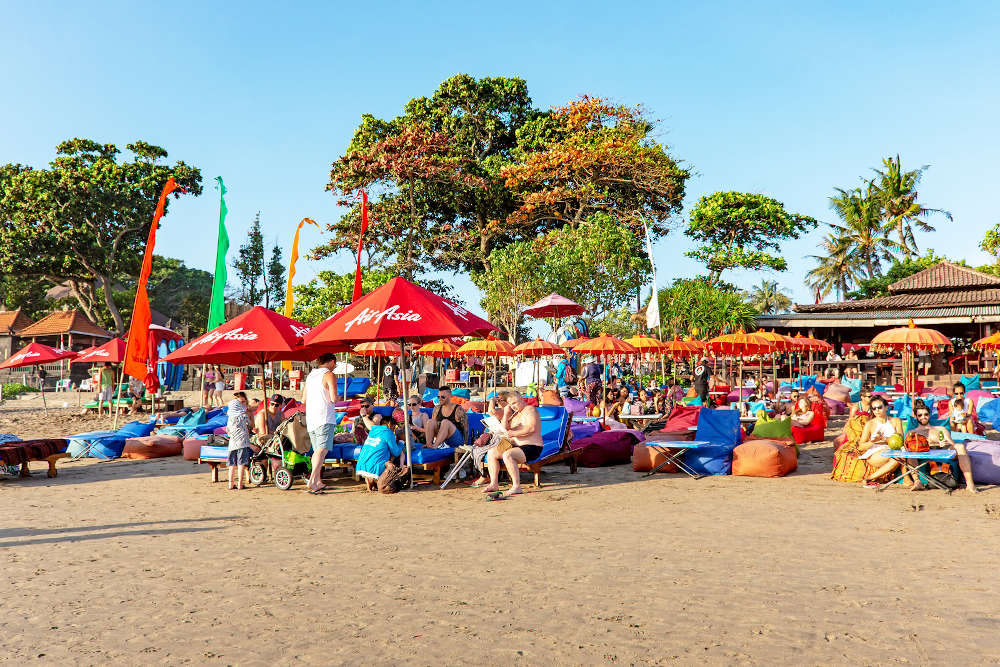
x=152 y=447
x=695 y=401
x=764 y=458
x=712 y=460
x=971 y=382
x=461 y=392
x=681 y=418
x=989 y=412
x=836 y=407
x=221 y=430
x=854 y=385
x=978 y=396
x=775 y=429
x=551 y=397
x=575 y=407
x=136 y=429
x=606 y=448
x=191 y=447
x=837 y=392
x=646 y=458
x=985 y=456
x=582 y=430
x=475 y=406
x=815 y=431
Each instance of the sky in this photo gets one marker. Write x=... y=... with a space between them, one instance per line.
x=786 y=99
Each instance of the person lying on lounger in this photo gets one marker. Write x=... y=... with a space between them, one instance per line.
x=522 y=442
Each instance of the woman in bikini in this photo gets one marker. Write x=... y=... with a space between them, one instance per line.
x=875 y=438
x=524 y=439
x=864 y=406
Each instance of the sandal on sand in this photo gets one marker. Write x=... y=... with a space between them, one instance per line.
x=495 y=495
x=319 y=492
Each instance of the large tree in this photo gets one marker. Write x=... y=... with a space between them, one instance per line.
x=861 y=232
x=742 y=230
x=249 y=265
x=274 y=280
x=84 y=220
x=837 y=270
x=769 y=298
x=468 y=124
x=695 y=306
x=592 y=156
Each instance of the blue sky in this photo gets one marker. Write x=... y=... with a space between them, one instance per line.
x=786 y=99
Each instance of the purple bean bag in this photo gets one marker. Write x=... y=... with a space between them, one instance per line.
x=606 y=448
x=584 y=429
x=222 y=430
x=836 y=407
x=985 y=455
x=575 y=407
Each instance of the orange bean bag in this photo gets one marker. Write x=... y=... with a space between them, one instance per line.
x=152 y=447
x=764 y=458
x=646 y=458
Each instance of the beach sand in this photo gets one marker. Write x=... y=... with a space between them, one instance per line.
x=147 y=562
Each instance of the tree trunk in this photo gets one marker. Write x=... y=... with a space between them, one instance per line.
x=409 y=235
x=109 y=301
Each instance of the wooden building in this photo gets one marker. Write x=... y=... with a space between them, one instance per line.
x=12 y=323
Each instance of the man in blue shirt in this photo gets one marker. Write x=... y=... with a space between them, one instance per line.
x=374 y=461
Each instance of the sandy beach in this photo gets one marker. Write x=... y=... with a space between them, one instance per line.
x=147 y=562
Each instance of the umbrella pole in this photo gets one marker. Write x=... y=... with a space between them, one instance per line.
x=378 y=381
x=118 y=395
x=406 y=402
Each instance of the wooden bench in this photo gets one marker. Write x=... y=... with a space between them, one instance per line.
x=23 y=452
x=51 y=460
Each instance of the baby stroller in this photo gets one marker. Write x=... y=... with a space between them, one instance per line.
x=284 y=455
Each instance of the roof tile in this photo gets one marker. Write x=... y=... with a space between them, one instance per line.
x=944 y=276
x=64 y=322
x=13 y=320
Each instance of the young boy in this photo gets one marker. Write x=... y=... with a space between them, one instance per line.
x=239 y=438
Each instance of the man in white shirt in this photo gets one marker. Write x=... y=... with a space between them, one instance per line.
x=320 y=398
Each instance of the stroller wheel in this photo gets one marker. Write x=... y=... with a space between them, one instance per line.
x=258 y=473
x=283 y=478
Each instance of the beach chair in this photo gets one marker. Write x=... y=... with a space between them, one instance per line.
x=711 y=452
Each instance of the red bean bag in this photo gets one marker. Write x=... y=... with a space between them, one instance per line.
x=815 y=431
x=152 y=447
x=606 y=448
x=763 y=458
x=646 y=458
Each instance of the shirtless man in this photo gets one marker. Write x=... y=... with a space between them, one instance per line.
x=524 y=432
x=938 y=436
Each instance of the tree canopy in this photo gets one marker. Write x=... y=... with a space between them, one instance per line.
x=90 y=211
x=742 y=230
x=697 y=307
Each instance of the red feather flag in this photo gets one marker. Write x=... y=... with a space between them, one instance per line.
x=361 y=244
x=137 y=363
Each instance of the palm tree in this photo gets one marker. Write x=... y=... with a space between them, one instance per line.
x=862 y=231
x=901 y=212
x=836 y=271
x=769 y=298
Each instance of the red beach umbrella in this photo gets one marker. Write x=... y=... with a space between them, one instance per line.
x=554 y=305
x=112 y=352
x=538 y=348
x=35 y=354
x=398 y=311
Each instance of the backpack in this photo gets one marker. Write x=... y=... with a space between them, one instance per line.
x=569 y=377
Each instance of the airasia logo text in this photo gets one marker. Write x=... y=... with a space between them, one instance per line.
x=234 y=334
x=391 y=313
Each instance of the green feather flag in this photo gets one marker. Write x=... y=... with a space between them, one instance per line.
x=217 y=308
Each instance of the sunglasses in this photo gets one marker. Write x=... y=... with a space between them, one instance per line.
x=413 y=405
x=878 y=407
x=923 y=414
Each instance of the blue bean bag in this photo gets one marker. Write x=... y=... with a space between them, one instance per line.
x=424 y=455
x=990 y=412
x=721 y=428
x=971 y=382
x=136 y=429
x=461 y=393
x=855 y=386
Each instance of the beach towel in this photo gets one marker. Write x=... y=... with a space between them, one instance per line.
x=778 y=428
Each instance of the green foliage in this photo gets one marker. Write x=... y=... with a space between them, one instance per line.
x=599 y=264
x=179 y=292
x=90 y=211
x=14 y=389
x=695 y=306
x=617 y=322
x=249 y=265
x=991 y=242
x=900 y=211
x=331 y=292
x=742 y=230
x=274 y=280
x=28 y=295
x=872 y=288
x=769 y=298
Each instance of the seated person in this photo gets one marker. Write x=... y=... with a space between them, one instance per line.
x=958 y=417
x=643 y=404
x=267 y=420
x=365 y=420
x=938 y=436
x=875 y=439
x=377 y=452
x=448 y=425
x=522 y=442
x=418 y=421
x=958 y=393
x=802 y=414
x=864 y=405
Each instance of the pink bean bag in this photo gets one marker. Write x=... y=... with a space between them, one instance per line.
x=152 y=447
x=191 y=447
x=985 y=456
x=836 y=407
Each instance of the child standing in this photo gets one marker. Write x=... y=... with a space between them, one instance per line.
x=239 y=438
